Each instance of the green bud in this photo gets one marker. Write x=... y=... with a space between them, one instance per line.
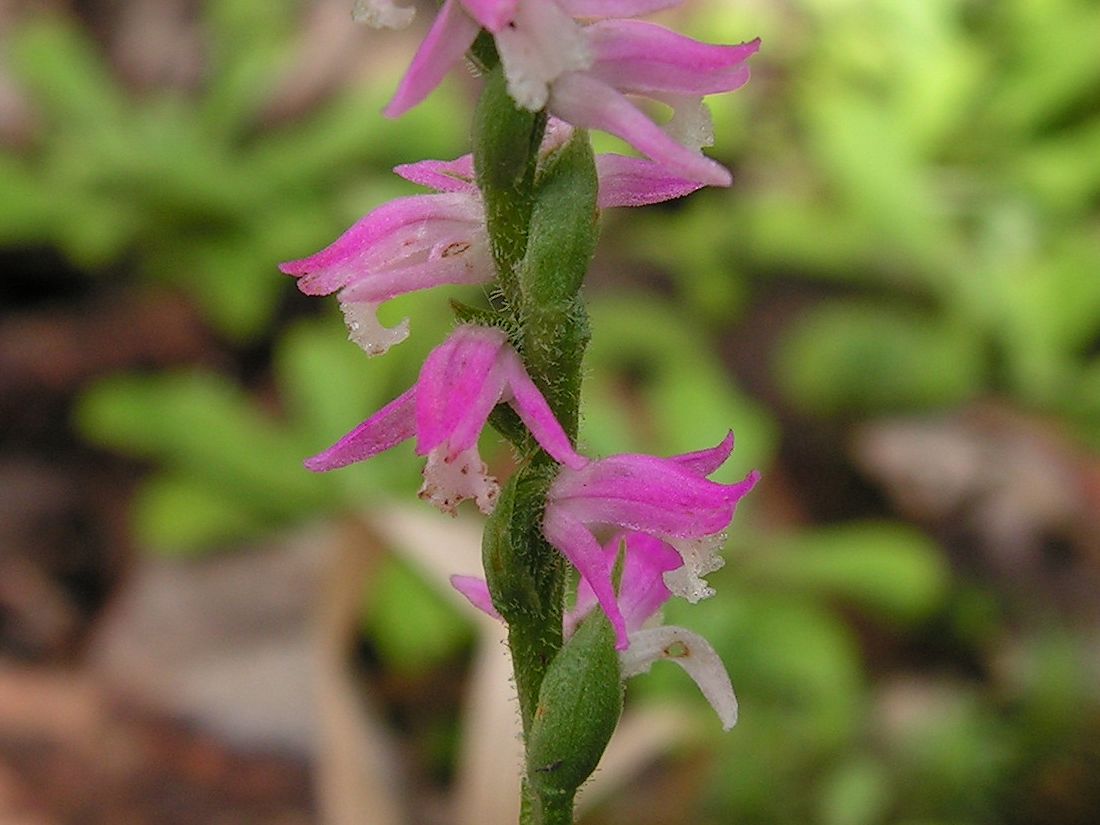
x=564 y=224
x=526 y=578
x=518 y=568
x=578 y=708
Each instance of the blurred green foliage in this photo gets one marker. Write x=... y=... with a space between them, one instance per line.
x=934 y=165
x=193 y=189
x=929 y=168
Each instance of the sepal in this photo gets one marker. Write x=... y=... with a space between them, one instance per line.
x=579 y=705
x=564 y=224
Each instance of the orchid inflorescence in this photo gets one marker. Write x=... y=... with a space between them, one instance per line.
x=519 y=215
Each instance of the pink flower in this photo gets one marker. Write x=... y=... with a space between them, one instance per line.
x=647 y=561
x=667 y=498
x=642 y=587
x=405 y=245
x=631 y=57
x=461 y=381
x=423 y=241
x=537 y=40
x=583 y=73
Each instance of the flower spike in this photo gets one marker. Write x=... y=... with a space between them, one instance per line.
x=584 y=71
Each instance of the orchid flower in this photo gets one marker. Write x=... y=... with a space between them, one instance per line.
x=461 y=381
x=668 y=498
x=536 y=38
x=583 y=73
x=422 y=241
x=642 y=592
x=631 y=57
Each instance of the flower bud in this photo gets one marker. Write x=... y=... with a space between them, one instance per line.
x=579 y=705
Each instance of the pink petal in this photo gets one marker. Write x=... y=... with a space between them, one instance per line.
x=451 y=34
x=442 y=175
x=615 y=8
x=705 y=462
x=533 y=410
x=642 y=589
x=458 y=388
x=628 y=181
x=380 y=236
x=476 y=592
x=636 y=57
x=492 y=14
x=589 y=103
x=648 y=494
x=469 y=262
x=584 y=552
x=388 y=427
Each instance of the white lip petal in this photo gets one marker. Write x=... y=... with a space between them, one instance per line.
x=448 y=482
x=700 y=558
x=367 y=331
x=691 y=652
x=691 y=123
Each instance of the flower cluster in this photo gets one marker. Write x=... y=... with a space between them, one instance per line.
x=581 y=59
x=671 y=520
x=639 y=529
x=423 y=241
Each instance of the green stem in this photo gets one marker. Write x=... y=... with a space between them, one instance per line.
x=532 y=650
x=550 y=809
x=506 y=144
x=541 y=223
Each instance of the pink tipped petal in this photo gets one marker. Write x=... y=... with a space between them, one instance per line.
x=467 y=426
x=377 y=238
x=454 y=386
x=589 y=103
x=492 y=14
x=476 y=592
x=388 y=427
x=466 y=262
x=533 y=410
x=451 y=34
x=584 y=552
x=443 y=175
x=627 y=181
x=647 y=494
x=691 y=652
x=705 y=462
x=642 y=589
x=639 y=58
x=615 y=8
